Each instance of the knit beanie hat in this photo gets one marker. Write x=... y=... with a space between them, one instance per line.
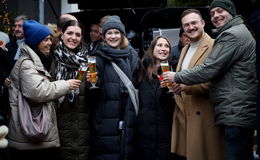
x=34 y=32
x=227 y=5
x=113 y=22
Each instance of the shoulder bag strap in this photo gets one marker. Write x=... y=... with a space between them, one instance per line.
x=133 y=93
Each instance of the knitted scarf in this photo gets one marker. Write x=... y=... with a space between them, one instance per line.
x=119 y=56
x=67 y=63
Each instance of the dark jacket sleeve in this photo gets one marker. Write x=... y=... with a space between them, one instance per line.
x=3 y=65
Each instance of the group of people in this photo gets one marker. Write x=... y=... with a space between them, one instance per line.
x=207 y=113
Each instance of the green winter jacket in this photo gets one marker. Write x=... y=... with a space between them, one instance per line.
x=230 y=67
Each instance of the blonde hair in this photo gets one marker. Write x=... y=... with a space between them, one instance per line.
x=53 y=28
x=124 y=43
x=103 y=20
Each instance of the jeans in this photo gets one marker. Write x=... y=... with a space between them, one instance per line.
x=239 y=143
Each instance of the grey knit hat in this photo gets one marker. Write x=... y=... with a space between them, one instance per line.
x=227 y=5
x=113 y=22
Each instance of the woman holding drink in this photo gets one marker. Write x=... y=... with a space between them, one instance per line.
x=31 y=77
x=70 y=61
x=154 y=121
x=113 y=115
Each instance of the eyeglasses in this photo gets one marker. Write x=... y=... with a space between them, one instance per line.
x=192 y=23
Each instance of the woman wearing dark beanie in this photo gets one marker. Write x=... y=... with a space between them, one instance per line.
x=31 y=77
x=113 y=117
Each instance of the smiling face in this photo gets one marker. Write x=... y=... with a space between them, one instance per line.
x=219 y=16
x=18 y=29
x=94 y=34
x=193 y=26
x=161 y=50
x=45 y=45
x=72 y=37
x=113 y=38
x=184 y=39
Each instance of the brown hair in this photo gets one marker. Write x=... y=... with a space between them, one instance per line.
x=188 y=11
x=124 y=43
x=74 y=23
x=148 y=62
x=103 y=20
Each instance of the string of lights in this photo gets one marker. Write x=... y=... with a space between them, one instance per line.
x=5 y=24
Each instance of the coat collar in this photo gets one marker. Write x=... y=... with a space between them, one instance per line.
x=203 y=46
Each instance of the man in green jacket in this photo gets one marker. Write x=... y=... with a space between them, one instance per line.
x=230 y=69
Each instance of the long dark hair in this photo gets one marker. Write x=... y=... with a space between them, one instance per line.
x=148 y=62
x=74 y=23
x=46 y=60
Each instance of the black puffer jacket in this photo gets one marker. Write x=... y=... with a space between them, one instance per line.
x=8 y=57
x=154 y=122
x=110 y=104
x=7 y=63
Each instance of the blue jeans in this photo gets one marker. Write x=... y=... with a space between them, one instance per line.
x=239 y=143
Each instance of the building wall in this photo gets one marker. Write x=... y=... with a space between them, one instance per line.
x=68 y=8
x=31 y=9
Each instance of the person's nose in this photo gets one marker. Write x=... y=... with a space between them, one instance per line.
x=216 y=14
x=50 y=42
x=164 y=48
x=113 y=35
x=16 y=28
x=191 y=26
x=73 y=36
